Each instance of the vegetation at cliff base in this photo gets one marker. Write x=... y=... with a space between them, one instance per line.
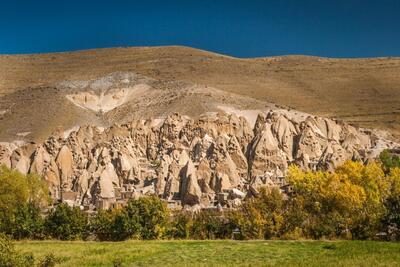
x=356 y=201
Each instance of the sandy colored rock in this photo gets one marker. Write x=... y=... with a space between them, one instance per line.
x=191 y=163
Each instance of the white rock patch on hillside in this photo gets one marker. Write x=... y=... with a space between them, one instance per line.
x=108 y=100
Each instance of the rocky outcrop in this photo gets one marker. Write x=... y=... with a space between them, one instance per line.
x=217 y=159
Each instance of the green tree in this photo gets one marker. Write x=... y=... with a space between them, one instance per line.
x=28 y=223
x=180 y=225
x=10 y=257
x=113 y=225
x=102 y=225
x=391 y=219
x=144 y=218
x=66 y=223
x=209 y=224
x=389 y=160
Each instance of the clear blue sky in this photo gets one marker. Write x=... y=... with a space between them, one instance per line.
x=335 y=28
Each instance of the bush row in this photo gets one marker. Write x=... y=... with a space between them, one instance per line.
x=355 y=202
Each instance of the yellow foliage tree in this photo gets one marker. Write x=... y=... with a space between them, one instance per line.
x=21 y=197
x=260 y=217
x=13 y=190
x=349 y=200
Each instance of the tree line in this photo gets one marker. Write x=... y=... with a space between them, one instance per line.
x=356 y=201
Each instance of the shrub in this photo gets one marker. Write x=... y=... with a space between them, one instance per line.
x=209 y=224
x=180 y=226
x=102 y=225
x=28 y=223
x=9 y=257
x=391 y=219
x=145 y=218
x=389 y=160
x=117 y=262
x=66 y=223
x=49 y=260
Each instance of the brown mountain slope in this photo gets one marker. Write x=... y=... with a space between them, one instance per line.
x=362 y=91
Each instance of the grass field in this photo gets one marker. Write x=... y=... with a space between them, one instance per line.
x=218 y=253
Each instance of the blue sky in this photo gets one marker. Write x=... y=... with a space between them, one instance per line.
x=335 y=28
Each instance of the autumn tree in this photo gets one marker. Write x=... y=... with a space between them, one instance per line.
x=261 y=217
x=347 y=201
x=21 y=198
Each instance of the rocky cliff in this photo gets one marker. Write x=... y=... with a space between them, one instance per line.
x=214 y=160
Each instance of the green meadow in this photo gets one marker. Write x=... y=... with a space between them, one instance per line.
x=217 y=253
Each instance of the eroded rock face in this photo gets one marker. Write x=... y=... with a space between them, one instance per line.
x=217 y=159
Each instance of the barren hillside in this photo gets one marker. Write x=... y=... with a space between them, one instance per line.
x=34 y=88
